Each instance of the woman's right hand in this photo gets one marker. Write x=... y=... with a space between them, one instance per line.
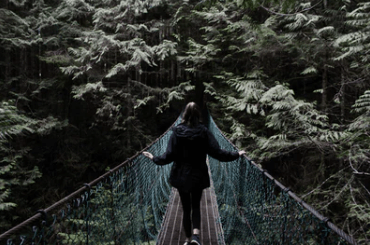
x=241 y=153
x=148 y=155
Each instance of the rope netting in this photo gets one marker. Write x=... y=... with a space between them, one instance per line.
x=124 y=206
x=127 y=206
x=255 y=208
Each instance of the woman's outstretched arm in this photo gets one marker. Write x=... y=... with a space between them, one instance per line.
x=168 y=156
x=216 y=152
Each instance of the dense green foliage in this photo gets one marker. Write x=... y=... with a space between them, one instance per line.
x=85 y=84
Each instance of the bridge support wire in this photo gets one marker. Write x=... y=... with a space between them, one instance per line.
x=127 y=205
x=268 y=204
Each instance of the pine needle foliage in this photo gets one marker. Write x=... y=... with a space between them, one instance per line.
x=356 y=41
x=362 y=104
x=15 y=32
x=242 y=56
x=117 y=59
x=84 y=81
x=351 y=188
x=13 y=173
x=284 y=6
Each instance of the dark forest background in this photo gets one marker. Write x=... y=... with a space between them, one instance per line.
x=85 y=84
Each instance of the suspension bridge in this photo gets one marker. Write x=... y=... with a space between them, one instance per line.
x=134 y=204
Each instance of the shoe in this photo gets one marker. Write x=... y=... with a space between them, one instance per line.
x=187 y=243
x=195 y=240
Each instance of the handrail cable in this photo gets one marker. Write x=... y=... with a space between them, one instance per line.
x=38 y=215
x=136 y=193
x=332 y=226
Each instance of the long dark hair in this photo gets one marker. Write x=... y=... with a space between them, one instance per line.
x=192 y=115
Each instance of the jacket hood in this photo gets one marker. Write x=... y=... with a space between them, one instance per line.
x=185 y=131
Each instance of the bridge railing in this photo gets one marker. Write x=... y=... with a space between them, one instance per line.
x=126 y=205
x=255 y=208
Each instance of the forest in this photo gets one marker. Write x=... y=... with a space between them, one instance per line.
x=85 y=84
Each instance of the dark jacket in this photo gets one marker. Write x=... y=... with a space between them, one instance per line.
x=188 y=148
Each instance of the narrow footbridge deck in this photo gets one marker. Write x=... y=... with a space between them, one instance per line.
x=172 y=231
x=134 y=204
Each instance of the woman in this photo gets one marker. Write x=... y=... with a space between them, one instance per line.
x=188 y=147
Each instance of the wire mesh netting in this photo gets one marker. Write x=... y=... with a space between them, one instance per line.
x=127 y=206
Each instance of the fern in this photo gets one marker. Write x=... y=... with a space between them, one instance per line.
x=74 y=9
x=309 y=70
x=15 y=32
x=136 y=28
x=116 y=69
x=175 y=93
x=362 y=104
x=325 y=31
x=104 y=18
x=5 y=193
x=357 y=40
x=143 y=102
x=298 y=22
x=165 y=49
x=139 y=56
x=213 y=15
x=277 y=93
x=250 y=89
x=76 y=71
x=199 y=54
x=13 y=124
x=297 y=124
x=18 y=3
x=80 y=91
x=8 y=17
x=351 y=38
x=285 y=6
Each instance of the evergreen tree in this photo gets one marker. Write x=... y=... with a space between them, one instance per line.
x=15 y=173
x=303 y=132
x=83 y=83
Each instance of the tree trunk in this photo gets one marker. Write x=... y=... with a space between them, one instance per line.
x=172 y=72
x=324 y=75
x=324 y=106
x=178 y=73
x=137 y=75
x=199 y=90
x=39 y=57
x=325 y=3
x=7 y=65
x=160 y=73
x=129 y=106
x=342 y=97
x=324 y=89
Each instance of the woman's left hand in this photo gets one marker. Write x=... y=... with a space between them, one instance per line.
x=148 y=155
x=241 y=153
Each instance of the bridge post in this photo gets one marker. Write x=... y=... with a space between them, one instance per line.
x=88 y=187
x=43 y=224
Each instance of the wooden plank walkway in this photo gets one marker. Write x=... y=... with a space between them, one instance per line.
x=172 y=231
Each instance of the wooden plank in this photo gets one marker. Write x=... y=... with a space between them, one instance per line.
x=172 y=231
